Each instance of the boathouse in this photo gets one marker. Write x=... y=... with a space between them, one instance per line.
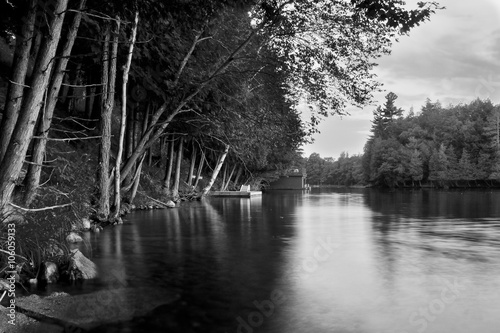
x=291 y=180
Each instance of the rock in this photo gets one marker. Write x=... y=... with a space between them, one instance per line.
x=95 y=228
x=170 y=204
x=50 y=273
x=85 y=266
x=132 y=207
x=57 y=295
x=4 y=284
x=86 y=223
x=73 y=237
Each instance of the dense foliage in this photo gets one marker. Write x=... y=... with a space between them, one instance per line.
x=345 y=171
x=439 y=146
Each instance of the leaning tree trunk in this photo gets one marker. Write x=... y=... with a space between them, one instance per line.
x=238 y=175
x=32 y=179
x=11 y=164
x=229 y=178
x=216 y=171
x=224 y=177
x=137 y=179
x=108 y=81
x=177 y=179
x=123 y=122
x=191 y=167
x=19 y=68
x=200 y=168
x=168 y=171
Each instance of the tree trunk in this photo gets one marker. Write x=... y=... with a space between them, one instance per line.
x=123 y=121
x=108 y=81
x=130 y=131
x=238 y=175
x=229 y=178
x=90 y=102
x=191 y=166
x=216 y=171
x=19 y=69
x=32 y=179
x=200 y=168
x=224 y=177
x=175 y=189
x=168 y=172
x=137 y=179
x=12 y=162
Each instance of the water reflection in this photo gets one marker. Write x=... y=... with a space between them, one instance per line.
x=332 y=261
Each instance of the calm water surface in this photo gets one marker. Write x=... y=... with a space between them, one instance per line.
x=344 y=261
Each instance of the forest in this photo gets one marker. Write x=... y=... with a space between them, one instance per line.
x=439 y=146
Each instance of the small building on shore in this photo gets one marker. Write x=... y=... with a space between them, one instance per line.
x=291 y=180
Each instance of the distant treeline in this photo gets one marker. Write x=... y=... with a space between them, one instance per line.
x=439 y=146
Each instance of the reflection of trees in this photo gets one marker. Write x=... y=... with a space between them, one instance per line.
x=434 y=203
x=436 y=223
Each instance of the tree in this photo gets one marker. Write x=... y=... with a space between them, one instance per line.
x=32 y=179
x=466 y=168
x=438 y=165
x=123 y=121
x=315 y=169
x=11 y=164
x=415 y=166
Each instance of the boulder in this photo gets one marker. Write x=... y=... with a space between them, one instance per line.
x=170 y=204
x=86 y=223
x=73 y=237
x=4 y=284
x=83 y=266
x=50 y=272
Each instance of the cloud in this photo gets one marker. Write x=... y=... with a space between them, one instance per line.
x=446 y=58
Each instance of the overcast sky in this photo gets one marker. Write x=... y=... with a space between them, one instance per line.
x=453 y=58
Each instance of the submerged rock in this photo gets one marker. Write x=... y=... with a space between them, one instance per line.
x=82 y=266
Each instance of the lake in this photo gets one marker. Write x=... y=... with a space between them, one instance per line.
x=336 y=260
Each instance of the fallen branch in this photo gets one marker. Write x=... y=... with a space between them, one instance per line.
x=40 y=209
x=68 y=139
x=158 y=201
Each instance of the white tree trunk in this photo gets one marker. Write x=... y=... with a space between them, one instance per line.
x=216 y=171
x=123 y=122
x=177 y=179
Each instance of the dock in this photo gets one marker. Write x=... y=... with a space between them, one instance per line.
x=236 y=194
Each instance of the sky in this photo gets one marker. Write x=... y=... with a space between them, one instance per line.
x=453 y=58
